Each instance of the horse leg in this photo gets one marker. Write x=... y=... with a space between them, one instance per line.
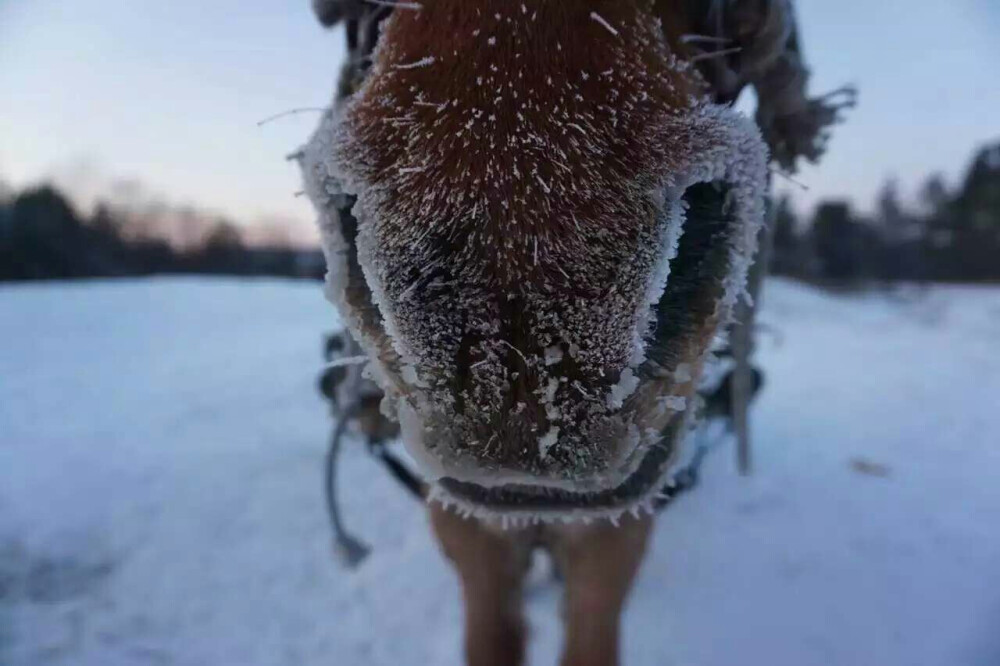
x=491 y=565
x=599 y=563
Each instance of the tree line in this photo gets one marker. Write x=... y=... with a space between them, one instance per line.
x=43 y=236
x=948 y=236
x=951 y=235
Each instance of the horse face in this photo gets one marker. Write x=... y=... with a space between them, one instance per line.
x=549 y=225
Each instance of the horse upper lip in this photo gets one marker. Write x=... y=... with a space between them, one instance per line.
x=538 y=499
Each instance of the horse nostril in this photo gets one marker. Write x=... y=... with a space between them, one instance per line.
x=698 y=273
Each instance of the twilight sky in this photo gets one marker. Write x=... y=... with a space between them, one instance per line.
x=168 y=93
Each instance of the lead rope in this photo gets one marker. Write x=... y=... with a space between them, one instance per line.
x=684 y=480
x=687 y=477
x=349 y=549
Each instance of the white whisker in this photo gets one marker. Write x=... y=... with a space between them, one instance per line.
x=504 y=342
x=693 y=39
x=423 y=62
x=600 y=19
x=788 y=177
x=349 y=360
x=291 y=112
x=716 y=54
x=416 y=6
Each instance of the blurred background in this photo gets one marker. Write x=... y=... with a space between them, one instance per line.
x=161 y=316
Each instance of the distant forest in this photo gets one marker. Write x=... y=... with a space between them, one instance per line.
x=43 y=236
x=951 y=235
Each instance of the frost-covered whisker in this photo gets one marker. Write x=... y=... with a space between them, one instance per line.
x=396 y=4
x=716 y=54
x=515 y=349
x=544 y=185
x=607 y=26
x=787 y=176
x=347 y=361
x=291 y=112
x=423 y=62
x=432 y=105
x=708 y=39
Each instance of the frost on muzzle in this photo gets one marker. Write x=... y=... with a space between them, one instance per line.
x=541 y=353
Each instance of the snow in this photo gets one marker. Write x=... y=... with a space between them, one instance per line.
x=161 y=445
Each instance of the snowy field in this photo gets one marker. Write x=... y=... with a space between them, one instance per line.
x=160 y=499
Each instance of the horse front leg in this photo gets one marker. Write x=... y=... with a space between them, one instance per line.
x=490 y=565
x=599 y=563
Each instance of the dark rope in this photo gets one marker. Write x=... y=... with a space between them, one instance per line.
x=351 y=550
x=399 y=471
x=688 y=476
x=685 y=479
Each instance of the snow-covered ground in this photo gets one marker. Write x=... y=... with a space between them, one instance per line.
x=160 y=496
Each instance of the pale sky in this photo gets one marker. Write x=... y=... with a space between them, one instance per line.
x=169 y=92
